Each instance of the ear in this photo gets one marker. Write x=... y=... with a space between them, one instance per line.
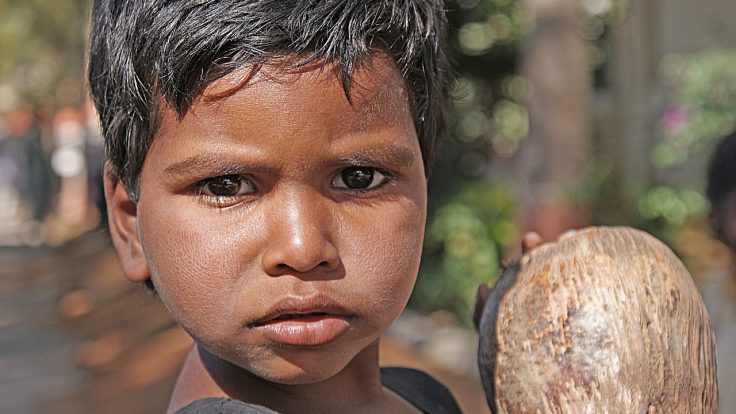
x=122 y=214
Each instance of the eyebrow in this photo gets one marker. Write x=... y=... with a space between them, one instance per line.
x=211 y=164
x=383 y=155
x=393 y=155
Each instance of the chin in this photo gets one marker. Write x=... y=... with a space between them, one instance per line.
x=306 y=368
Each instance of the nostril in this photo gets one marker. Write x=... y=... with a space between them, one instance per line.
x=284 y=267
x=283 y=258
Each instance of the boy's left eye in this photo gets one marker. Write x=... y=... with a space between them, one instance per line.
x=360 y=178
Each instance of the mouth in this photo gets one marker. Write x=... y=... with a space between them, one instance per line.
x=303 y=321
x=300 y=316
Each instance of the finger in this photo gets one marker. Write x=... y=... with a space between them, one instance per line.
x=530 y=241
x=505 y=263
x=481 y=297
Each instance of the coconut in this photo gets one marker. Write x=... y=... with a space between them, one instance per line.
x=607 y=320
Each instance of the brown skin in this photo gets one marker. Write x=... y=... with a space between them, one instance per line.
x=290 y=229
x=723 y=218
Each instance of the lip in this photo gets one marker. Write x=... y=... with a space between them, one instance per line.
x=303 y=321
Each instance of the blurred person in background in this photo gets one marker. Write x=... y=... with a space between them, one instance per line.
x=69 y=161
x=721 y=190
x=719 y=288
x=25 y=178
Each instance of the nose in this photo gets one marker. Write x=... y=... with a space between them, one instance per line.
x=300 y=236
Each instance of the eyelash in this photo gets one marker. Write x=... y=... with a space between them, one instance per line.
x=222 y=201
x=388 y=178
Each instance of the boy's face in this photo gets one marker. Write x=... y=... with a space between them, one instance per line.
x=282 y=225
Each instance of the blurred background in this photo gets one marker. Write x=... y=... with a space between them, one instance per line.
x=565 y=113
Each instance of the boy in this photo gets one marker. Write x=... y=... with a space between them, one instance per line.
x=721 y=190
x=266 y=176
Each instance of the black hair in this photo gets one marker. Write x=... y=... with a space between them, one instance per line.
x=147 y=53
x=722 y=171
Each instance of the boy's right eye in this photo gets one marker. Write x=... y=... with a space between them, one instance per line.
x=225 y=189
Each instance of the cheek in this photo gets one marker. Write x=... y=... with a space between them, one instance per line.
x=192 y=265
x=385 y=257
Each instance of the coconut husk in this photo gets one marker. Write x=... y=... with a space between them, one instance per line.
x=605 y=320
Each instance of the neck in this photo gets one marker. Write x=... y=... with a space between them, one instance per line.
x=357 y=385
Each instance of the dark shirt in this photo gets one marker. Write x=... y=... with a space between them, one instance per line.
x=416 y=387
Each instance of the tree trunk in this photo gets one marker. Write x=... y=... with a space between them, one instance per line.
x=554 y=159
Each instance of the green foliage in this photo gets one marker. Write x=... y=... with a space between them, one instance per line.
x=465 y=239
x=470 y=221
x=672 y=206
x=42 y=50
x=701 y=107
x=488 y=26
x=488 y=117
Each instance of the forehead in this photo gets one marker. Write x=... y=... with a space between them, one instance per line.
x=274 y=117
x=376 y=91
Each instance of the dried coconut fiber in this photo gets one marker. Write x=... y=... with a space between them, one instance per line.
x=606 y=320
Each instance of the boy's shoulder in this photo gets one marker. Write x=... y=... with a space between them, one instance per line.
x=416 y=387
